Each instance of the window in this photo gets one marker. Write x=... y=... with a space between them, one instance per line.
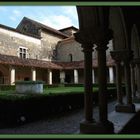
x=22 y=52
x=70 y=57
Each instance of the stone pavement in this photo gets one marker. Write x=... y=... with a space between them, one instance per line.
x=67 y=123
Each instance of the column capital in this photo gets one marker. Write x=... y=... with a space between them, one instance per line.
x=102 y=47
x=132 y=64
x=138 y=65
x=49 y=69
x=84 y=37
x=102 y=42
x=136 y=61
x=12 y=67
x=33 y=68
x=103 y=36
x=127 y=56
x=122 y=55
x=87 y=47
x=117 y=56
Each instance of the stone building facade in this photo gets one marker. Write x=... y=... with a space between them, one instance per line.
x=34 y=51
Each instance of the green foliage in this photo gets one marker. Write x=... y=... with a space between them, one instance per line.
x=29 y=82
x=7 y=87
x=8 y=92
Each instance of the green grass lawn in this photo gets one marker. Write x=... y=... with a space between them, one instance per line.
x=11 y=94
x=66 y=90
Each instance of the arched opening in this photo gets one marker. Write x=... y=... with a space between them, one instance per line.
x=1 y=78
x=4 y=78
x=93 y=22
x=135 y=42
x=117 y=24
x=70 y=57
x=135 y=69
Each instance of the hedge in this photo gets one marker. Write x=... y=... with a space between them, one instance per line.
x=7 y=87
x=37 y=106
x=29 y=82
x=12 y=87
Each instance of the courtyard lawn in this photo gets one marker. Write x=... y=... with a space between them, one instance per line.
x=66 y=90
x=51 y=91
x=53 y=101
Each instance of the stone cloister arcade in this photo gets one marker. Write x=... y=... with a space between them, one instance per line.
x=98 y=25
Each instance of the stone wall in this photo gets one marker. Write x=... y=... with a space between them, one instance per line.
x=65 y=48
x=48 y=45
x=10 y=42
x=43 y=48
x=70 y=46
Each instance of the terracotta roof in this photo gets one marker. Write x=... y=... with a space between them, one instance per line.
x=67 y=40
x=15 y=30
x=71 y=65
x=80 y=64
x=71 y=27
x=44 y=27
x=14 y=60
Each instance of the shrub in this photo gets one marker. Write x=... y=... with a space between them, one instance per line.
x=7 y=87
x=29 y=82
x=14 y=107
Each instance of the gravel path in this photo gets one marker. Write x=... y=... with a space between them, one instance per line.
x=67 y=123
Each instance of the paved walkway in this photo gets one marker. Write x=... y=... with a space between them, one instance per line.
x=62 y=124
x=68 y=123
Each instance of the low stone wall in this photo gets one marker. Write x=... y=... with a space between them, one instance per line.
x=29 y=87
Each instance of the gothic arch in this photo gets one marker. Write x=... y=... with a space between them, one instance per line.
x=117 y=24
x=135 y=41
x=4 y=70
x=93 y=24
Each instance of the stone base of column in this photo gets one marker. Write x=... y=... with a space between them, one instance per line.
x=125 y=108
x=136 y=99
x=96 y=128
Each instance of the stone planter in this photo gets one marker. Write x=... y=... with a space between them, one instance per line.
x=29 y=87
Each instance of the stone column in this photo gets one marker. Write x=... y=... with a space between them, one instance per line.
x=119 y=83
x=93 y=76
x=111 y=75
x=117 y=56
x=133 y=82
x=33 y=75
x=12 y=76
x=76 y=76
x=62 y=77
x=130 y=107
x=102 y=79
x=138 y=79
x=89 y=125
x=128 y=82
x=87 y=49
x=50 y=77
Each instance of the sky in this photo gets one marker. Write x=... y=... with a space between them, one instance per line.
x=57 y=17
